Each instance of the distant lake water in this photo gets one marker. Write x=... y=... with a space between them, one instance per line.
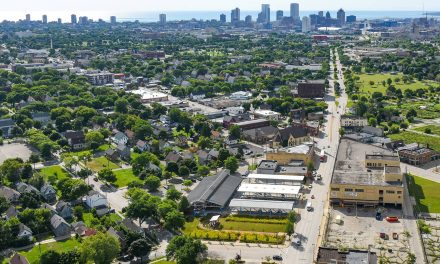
x=208 y=15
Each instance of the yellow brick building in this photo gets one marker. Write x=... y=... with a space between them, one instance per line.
x=284 y=156
x=366 y=174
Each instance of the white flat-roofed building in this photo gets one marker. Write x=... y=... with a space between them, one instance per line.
x=264 y=206
x=269 y=191
x=150 y=96
x=241 y=95
x=275 y=179
x=267 y=114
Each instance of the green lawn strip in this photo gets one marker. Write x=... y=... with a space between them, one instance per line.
x=163 y=261
x=426 y=193
x=411 y=137
x=252 y=226
x=33 y=255
x=435 y=129
x=124 y=177
x=54 y=170
x=101 y=163
x=365 y=87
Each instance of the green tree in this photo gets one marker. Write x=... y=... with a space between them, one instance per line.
x=310 y=166
x=121 y=105
x=173 y=194
x=4 y=204
x=101 y=248
x=94 y=139
x=50 y=257
x=184 y=171
x=139 y=248
x=234 y=132
x=231 y=164
x=174 y=220
x=107 y=175
x=10 y=169
x=184 y=205
x=152 y=182
x=184 y=249
x=203 y=170
x=142 y=206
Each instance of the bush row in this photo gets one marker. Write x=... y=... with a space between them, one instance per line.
x=262 y=238
x=215 y=235
x=264 y=220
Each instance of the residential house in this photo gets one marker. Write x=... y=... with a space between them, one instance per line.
x=119 y=235
x=215 y=135
x=130 y=225
x=131 y=136
x=6 y=126
x=203 y=157
x=163 y=145
x=260 y=135
x=50 y=208
x=120 y=138
x=59 y=226
x=111 y=154
x=95 y=200
x=26 y=188
x=123 y=151
x=24 y=232
x=48 y=193
x=64 y=209
x=142 y=145
x=18 y=259
x=164 y=119
x=197 y=95
x=11 y=212
x=9 y=194
x=42 y=117
x=79 y=228
x=231 y=141
x=173 y=156
x=181 y=141
x=291 y=136
x=213 y=154
x=75 y=139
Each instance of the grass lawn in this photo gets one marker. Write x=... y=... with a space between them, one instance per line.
x=101 y=163
x=425 y=109
x=435 y=129
x=33 y=254
x=426 y=193
x=54 y=170
x=124 y=177
x=88 y=218
x=257 y=227
x=411 y=137
x=365 y=87
x=191 y=226
x=164 y=261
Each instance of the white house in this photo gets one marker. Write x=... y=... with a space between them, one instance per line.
x=197 y=95
x=120 y=138
x=24 y=231
x=241 y=95
x=96 y=199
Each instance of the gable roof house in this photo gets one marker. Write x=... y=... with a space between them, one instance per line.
x=18 y=259
x=9 y=194
x=131 y=136
x=119 y=235
x=142 y=145
x=24 y=231
x=95 y=200
x=111 y=154
x=11 y=212
x=123 y=151
x=120 y=138
x=26 y=188
x=291 y=136
x=6 y=126
x=48 y=193
x=64 y=209
x=75 y=139
x=59 y=226
x=173 y=156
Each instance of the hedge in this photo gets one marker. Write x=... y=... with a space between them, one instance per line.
x=262 y=238
x=215 y=235
x=263 y=220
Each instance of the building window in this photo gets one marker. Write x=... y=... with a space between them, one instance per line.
x=348 y=190
x=388 y=191
x=335 y=189
x=359 y=190
x=399 y=192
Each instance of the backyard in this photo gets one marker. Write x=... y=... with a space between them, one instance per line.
x=411 y=137
x=366 y=87
x=425 y=192
x=435 y=129
x=56 y=170
x=124 y=177
x=34 y=254
x=101 y=163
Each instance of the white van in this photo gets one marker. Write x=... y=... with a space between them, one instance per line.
x=309 y=206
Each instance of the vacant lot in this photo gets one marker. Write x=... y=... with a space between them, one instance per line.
x=435 y=129
x=411 y=137
x=14 y=150
x=56 y=170
x=33 y=254
x=124 y=177
x=101 y=163
x=426 y=193
x=366 y=87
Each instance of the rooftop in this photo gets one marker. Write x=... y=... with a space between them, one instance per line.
x=350 y=164
x=269 y=188
x=300 y=149
x=262 y=204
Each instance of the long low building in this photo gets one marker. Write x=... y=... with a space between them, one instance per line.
x=275 y=179
x=269 y=191
x=214 y=192
x=261 y=206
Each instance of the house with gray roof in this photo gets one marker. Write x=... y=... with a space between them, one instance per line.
x=123 y=151
x=214 y=192
x=11 y=212
x=26 y=188
x=59 y=226
x=6 y=126
x=48 y=193
x=24 y=231
x=9 y=194
x=64 y=209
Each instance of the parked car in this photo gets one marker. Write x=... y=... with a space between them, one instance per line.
x=378 y=216
x=297 y=242
x=277 y=257
x=392 y=219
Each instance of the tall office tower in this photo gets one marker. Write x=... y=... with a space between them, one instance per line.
x=162 y=19
x=265 y=13
x=60 y=21
x=44 y=19
x=223 y=18
x=248 y=19
x=314 y=18
x=235 y=15
x=351 y=19
x=83 y=20
x=28 y=17
x=280 y=15
x=306 y=25
x=327 y=15
x=73 y=19
x=113 y=19
x=294 y=11
x=321 y=13
x=341 y=16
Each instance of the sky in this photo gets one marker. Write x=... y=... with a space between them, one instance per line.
x=16 y=9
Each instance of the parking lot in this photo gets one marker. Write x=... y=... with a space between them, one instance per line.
x=359 y=229
x=431 y=241
x=14 y=150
